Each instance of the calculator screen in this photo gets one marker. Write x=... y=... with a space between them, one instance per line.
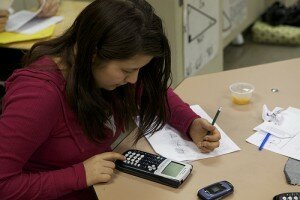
x=215 y=188
x=173 y=169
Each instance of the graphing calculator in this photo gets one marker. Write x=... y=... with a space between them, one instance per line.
x=288 y=196
x=216 y=191
x=154 y=167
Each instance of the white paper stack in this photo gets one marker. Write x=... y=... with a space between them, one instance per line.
x=285 y=137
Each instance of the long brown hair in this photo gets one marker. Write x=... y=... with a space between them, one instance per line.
x=114 y=30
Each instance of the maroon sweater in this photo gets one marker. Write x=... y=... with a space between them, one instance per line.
x=42 y=146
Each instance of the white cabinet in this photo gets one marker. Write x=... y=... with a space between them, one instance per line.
x=172 y=14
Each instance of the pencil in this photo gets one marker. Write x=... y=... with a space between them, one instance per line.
x=215 y=119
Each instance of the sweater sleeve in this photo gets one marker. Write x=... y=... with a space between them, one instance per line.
x=29 y=115
x=181 y=114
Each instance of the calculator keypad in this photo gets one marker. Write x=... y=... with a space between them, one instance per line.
x=289 y=196
x=143 y=160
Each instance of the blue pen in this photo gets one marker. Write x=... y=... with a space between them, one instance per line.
x=264 y=141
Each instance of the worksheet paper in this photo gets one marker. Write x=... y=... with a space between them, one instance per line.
x=169 y=143
x=285 y=138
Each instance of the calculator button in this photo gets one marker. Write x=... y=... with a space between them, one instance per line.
x=290 y=198
x=296 y=198
x=283 y=198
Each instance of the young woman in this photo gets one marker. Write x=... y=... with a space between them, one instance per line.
x=76 y=93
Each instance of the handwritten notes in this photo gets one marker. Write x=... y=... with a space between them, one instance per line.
x=285 y=137
x=169 y=143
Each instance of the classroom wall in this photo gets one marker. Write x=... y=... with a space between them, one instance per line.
x=173 y=23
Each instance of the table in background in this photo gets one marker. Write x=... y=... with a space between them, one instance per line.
x=12 y=53
x=69 y=10
x=254 y=174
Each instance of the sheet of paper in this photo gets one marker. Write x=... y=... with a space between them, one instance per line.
x=169 y=143
x=288 y=146
x=18 y=19
x=5 y=4
x=288 y=127
x=37 y=24
x=285 y=146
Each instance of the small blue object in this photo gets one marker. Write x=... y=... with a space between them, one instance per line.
x=264 y=141
x=216 y=191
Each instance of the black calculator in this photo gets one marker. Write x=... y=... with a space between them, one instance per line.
x=154 y=167
x=288 y=196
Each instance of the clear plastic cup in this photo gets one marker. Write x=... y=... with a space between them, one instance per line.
x=241 y=93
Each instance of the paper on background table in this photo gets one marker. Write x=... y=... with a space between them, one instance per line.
x=9 y=37
x=169 y=143
x=37 y=24
x=285 y=146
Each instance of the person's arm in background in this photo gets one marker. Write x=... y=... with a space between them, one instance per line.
x=50 y=8
x=193 y=126
x=3 y=19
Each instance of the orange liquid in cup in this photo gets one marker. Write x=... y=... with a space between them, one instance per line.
x=240 y=101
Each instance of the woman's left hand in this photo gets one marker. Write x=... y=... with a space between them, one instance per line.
x=198 y=132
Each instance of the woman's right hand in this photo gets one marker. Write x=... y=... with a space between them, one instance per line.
x=99 y=168
x=3 y=19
